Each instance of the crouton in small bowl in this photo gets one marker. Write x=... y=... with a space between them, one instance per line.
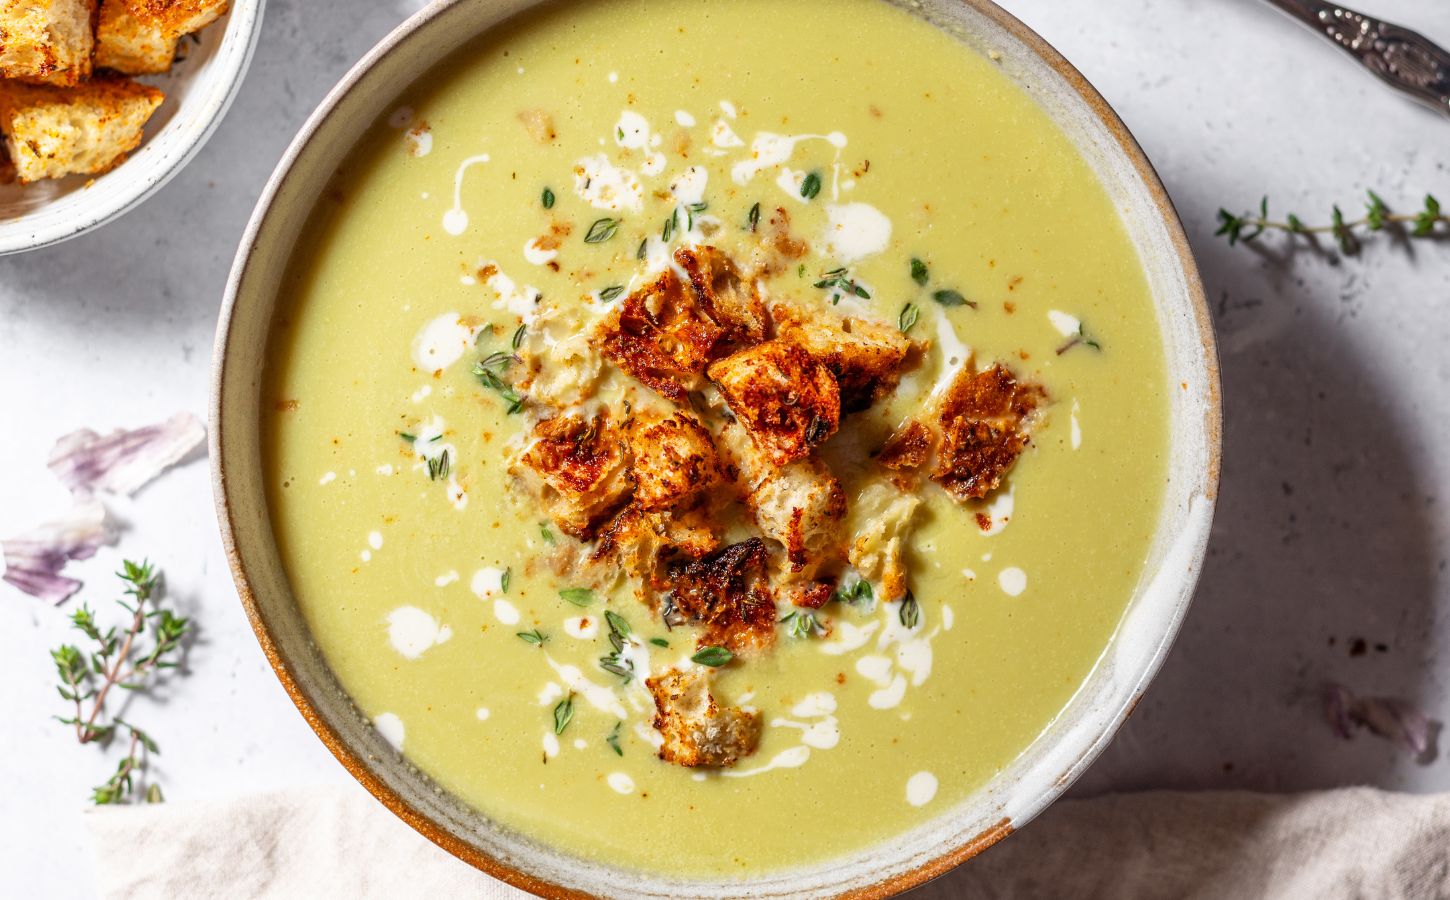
x=102 y=101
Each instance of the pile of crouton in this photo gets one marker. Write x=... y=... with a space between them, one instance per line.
x=705 y=488
x=67 y=103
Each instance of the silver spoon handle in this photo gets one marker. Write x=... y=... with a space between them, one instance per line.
x=1402 y=58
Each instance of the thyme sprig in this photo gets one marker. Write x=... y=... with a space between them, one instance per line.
x=802 y=624
x=1427 y=223
x=491 y=369
x=617 y=663
x=841 y=284
x=119 y=660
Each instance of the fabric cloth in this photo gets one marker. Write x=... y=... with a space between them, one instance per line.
x=1350 y=844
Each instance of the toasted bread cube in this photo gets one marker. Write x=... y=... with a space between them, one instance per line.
x=883 y=515
x=576 y=469
x=673 y=459
x=985 y=419
x=642 y=546
x=866 y=357
x=662 y=336
x=46 y=40
x=139 y=37
x=88 y=129
x=908 y=448
x=727 y=592
x=728 y=298
x=787 y=400
x=803 y=507
x=697 y=730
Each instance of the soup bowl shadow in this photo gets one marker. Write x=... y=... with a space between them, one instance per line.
x=1010 y=799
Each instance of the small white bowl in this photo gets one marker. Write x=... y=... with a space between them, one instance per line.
x=198 y=92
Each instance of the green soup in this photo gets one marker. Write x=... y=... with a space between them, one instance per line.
x=469 y=210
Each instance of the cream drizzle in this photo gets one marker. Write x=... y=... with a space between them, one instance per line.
x=455 y=220
x=413 y=632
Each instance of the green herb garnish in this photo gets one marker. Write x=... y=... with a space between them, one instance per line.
x=545 y=533
x=601 y=231
x=910 y=613
x=616 y=622
x=505 y=578
x=754 y=217
x=841 y=284
x=578 y=596
x=611 y=293
x=952 y=298
x=563 y=714
x=439 y=466
x=547 y=199
x=518 y=339
x=613 y=740
x=714 y=657
x=410 y=438
x=1377 y=217
x=490 y=371
x=802 y=624
x=811 y=186
x=643 y=250
x=919 y=273
x=535 y=637
x=1080 y=338
x=908 y=317
x=659 y=642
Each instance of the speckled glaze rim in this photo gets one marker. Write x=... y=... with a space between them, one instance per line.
x=1177 y=567
x=158 y=160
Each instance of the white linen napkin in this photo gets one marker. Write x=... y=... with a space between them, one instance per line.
x=1351 y=843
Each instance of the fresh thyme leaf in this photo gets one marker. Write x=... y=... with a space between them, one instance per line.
x=668 y=232
x=613 y=740
x=714 y=657
x=659 y=642
x=643 y=250
x=698 y=208
x=544 y=532
x=949 y=297
x=535 y=637
x=919 y=272
x=910 y=613
x=1376 y=213
x=617 y=624
x=518 y=339
x=811 y=186
x=547 y=199
x=802 y=624
x=1378 y=217
x=410 y=438
x=439 y=466
x=505 y=578
x=563 y=714
x=754 y=217
x=1080 y=338
x=611 y=293
x=908 y=317
x=578 y=596
x=601 y=231
x=841 y=284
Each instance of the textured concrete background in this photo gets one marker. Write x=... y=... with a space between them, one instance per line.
x=1331 y=526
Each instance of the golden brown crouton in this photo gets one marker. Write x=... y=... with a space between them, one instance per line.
x=662 y=336
x=787 y=400
x=139 y=37
x=46 y=40
x=642 y=545
x=576 y=469
x=984 y=419
x=882 y=515
x=909 y=447
x=88 y=129
x=728 y=298
x=697 y=730
x=728 y=594
x=673 y=459
x=866 y=357
x=802 y=506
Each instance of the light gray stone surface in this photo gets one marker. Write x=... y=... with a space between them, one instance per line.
x=1332 y=524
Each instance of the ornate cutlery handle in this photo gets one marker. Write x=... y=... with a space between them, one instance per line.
x=1402 y=58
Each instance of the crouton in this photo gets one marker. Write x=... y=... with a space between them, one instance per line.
x=909 y=447
x=803 y=507
x=673 y=459
x=866 y=357
x=697 y=730
x=88 y=129
x=576 y=469
x=642 y=545
x=884 y=515
x=560 y=365
x=46 y=40
x=729 y=299
x=778 y=250
x=785 y=398
x=139 y=37
x=728 y=594
x=985 y=418
x=539 y=124
x=662 y=336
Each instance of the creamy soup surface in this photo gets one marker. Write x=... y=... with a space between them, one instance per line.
x=467 y=262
